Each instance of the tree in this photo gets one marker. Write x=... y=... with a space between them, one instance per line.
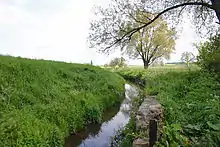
x=187 y=57
x=109 y=31
x=105 y=65
x=209 y=54
x=120 y=62
x=151 y=43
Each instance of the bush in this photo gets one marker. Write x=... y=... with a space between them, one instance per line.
x=118 y=62
x=191 y=101
x=209 y=54
x=42 y=102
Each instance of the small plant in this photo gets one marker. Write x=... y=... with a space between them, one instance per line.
x=172 y=136
x=118 y=62
x=188 y=58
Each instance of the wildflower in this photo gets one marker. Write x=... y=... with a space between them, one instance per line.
x=187 y=141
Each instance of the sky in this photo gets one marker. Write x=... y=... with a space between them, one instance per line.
x=58 y=30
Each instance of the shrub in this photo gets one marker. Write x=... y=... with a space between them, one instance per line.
x=191 y=102
x=190 y=99
x=118 y=62
x=209 y=54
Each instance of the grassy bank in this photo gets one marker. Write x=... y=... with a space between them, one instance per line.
x=42 y=102
x=191 y=102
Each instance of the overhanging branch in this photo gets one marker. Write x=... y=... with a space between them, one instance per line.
x=127 y=36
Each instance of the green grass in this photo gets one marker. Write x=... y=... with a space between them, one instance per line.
x=140 y=74
x=191 y=100
x=42 y=102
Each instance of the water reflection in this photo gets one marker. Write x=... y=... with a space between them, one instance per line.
x=99 y=135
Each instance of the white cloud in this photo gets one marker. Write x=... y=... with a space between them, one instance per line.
x=185 y=41
x=56 y=30
x=60 y=35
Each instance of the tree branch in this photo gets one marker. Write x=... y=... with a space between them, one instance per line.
x=129 y=34
x=153 y=53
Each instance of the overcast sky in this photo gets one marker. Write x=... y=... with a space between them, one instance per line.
x=58 y=29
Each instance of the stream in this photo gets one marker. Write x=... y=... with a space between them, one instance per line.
x=115 y=118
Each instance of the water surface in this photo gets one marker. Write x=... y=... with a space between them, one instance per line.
x=115 y=118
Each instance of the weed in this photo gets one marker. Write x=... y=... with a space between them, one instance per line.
x=42 y=102
x=191 y=102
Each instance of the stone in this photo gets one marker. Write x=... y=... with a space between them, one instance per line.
x=150 y=109
x=140 y=143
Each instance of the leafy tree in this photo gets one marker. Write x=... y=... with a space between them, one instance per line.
x=120 y=62
x=151 y=43
x=187 y=57
x=209 y=54
x=111 y=29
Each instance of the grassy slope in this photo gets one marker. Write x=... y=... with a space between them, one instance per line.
x=191 y=101
x=41 y=102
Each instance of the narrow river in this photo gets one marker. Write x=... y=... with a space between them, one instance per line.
x=99 y=135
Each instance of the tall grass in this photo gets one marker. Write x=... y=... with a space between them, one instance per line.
x=191 y=100
x=42 y=102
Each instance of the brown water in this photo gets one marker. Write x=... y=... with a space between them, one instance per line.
x=115 y=118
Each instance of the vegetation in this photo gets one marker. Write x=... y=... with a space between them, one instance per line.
x=42 y=102
x=112 y=31
x=191 y=102
x=209 y=54
x=187 y=58
x=151 y=43
x=125 y=136
x=119 y=62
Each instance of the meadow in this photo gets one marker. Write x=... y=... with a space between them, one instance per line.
x=43 y=102
x=191 y=101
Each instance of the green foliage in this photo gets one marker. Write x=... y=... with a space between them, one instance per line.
x=209 y=54
x=190 y=99
x=120 y=62
x=140 y=76
x=42 y=102
x=125 y=136
x=114 y=28
x=191 y=103
x=187 y=58
x=151 y=43
x=172 y=136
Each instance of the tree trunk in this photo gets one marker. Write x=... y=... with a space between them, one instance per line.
x=146 y=64
x=216 y=5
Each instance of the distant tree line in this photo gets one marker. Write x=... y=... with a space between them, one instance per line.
x=117 y=62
